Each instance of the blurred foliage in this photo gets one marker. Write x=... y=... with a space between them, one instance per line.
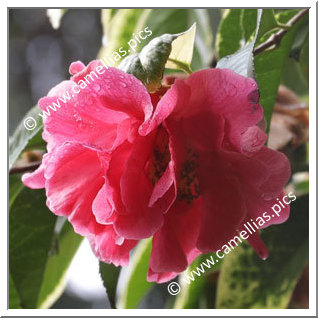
x=159 y=21
x=39 y=55
x=247 y=282
x=118 y=28
x=194 y=286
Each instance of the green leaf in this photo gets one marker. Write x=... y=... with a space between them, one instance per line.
x=31 y=228
x=267 y=24
x=293 y=77
x=248 y=282
x=192 y=285
x=149 y=64
x=174 y=21
x=269 y=66
x=237 y=27
x=249 y=23
x=182 y=50
x=304 y=60
x=14 y=300
x=300 y=38
x=23 y=137
x=229 y=33
x=15 y=186
x=136 y=285
x=109 y=274
x=66 y=242
x=41 y=247
x=241 y=62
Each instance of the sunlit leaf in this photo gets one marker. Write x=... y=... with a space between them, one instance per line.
x=136 y=285
x=182 y=50
x=23 y=137
x=241 y=62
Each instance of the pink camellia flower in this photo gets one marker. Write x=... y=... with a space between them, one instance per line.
x=186 y=166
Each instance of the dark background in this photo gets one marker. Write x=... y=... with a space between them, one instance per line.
x=39 y=56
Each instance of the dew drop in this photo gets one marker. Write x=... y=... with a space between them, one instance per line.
x=97 y=87
x=119 y=240
x=232 y=90
x=77 y=117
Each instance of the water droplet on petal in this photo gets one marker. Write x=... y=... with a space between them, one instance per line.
x=77 y=117
x=119 y=240
x=97 y=87
x=231 y=90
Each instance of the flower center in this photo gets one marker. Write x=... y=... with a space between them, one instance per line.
x=188 y=184
x=160 y=157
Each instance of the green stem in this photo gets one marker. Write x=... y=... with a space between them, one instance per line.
x=283 y=26
x=184 y=67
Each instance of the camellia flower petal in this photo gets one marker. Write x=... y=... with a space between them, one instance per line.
x=187 y=165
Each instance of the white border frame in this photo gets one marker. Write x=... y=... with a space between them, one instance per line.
x=175 y=312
